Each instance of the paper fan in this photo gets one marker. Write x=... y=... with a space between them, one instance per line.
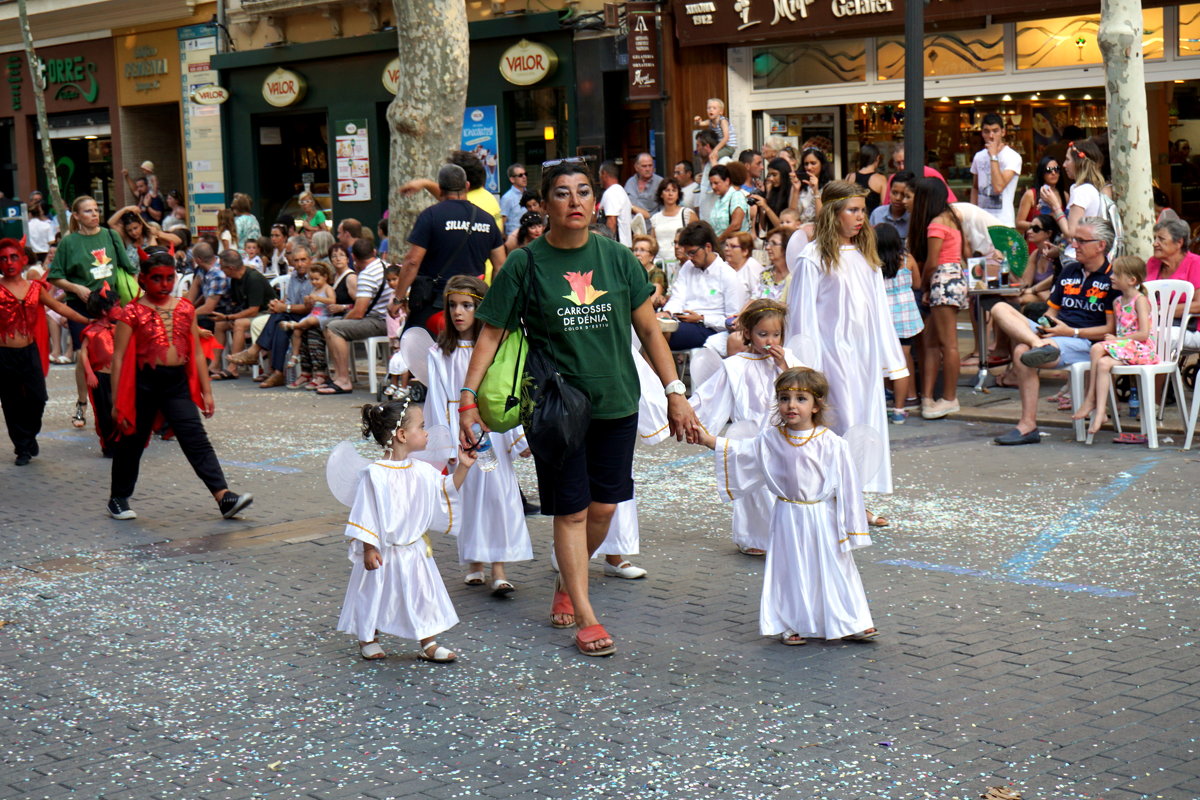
x=743 y=429
x=805 y=347
x=440 y=448
x=866 y=451
x=414 y=346
x=1012 y=246
x=343 y=471
x=704 y=364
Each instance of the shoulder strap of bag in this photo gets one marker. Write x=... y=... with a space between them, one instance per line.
x=532 y=291
x=378 y=291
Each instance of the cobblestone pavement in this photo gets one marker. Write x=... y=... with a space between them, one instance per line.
x=1037 y=605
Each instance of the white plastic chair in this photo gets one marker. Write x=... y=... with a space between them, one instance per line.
x=1166 y=297
x=371 y=346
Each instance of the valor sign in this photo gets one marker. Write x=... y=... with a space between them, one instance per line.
x=526 y=63
x=283 y=88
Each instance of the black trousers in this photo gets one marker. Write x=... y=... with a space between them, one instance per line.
x=165 y=389
x=102 y=409
x=22 y=396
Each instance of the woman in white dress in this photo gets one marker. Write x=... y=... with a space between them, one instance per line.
x=668 y=222
x=493 y=526
x=811 y=586
x=838 y=306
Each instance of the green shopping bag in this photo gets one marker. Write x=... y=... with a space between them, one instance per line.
x=502 y=392
x=125 y=285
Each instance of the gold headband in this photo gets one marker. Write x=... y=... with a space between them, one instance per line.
x=468 y=294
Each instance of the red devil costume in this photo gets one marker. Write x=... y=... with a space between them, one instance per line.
x=24 y=349
x=152 y=333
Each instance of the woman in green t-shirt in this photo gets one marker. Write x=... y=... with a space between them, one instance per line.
x=590 y=291
x=312 y=219
x=84 y=262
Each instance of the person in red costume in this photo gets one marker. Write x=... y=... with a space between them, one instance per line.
x=24 y=349
x=96 y=353
x=162 y=373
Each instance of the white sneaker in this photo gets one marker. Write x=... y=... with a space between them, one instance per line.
x=624 y=570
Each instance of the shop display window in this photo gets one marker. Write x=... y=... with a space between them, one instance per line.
x=1072 y=41
x=957 y=53
x=841 y=61
x=1189 y=30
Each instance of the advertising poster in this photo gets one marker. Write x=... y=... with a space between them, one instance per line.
x=201 y=128
x=353 y=160
x=479 y=136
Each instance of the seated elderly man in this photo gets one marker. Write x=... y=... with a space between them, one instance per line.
x=274 y=338
x=705 y=294
x=1080 y=314
x=249 y=294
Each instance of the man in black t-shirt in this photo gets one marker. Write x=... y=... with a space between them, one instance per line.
x=453 y=237
x=1081 y=313
x=249 y=293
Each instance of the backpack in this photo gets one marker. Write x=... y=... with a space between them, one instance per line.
x=1108 y=210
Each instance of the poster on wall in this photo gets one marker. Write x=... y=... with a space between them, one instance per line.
x=479 y=137
x=353 y=161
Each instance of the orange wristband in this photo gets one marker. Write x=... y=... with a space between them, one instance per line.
x=468 y=407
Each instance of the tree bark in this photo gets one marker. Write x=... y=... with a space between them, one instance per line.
x=39 y=102
x=1120 y=41
x=426 y=116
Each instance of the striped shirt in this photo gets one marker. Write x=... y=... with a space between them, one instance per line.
x=369 y=281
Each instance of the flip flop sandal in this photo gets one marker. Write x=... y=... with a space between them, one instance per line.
x=1129 y=438
x=77 y=419
x=791 y=638
x=501 y=587
x=562 y=606
x=329 y=389
x=751 y=551
x=591 y=634
x=865 y=636
x=474 y=578
x=1064 y=404
x=439 y=654
x=371 y=651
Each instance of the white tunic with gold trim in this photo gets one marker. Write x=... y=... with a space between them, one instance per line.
x=395 y=504
x=810 y=584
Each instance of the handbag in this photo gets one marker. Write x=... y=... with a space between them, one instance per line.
x=556 y=423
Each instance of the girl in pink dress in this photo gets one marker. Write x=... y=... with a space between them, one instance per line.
x=1133 y=342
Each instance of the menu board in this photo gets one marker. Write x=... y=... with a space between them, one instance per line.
x=352 y=147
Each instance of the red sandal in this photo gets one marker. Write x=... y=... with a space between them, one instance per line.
x=562 y=606
x=590 y=635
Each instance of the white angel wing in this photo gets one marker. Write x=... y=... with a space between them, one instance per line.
x=805 y=347
x=866 y=451
x=440 y=447
x=705 y=363
x=742 y=429
x=343 y=471
x=414 y=346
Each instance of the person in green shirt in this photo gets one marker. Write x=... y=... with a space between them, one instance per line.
x=84 y=262
x=313 y=218
x=589 y=292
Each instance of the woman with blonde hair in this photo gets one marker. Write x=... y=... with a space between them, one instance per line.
x=1083 y=166
x=838 y=307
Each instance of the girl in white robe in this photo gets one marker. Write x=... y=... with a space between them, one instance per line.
x=744 y=390
x=811 y=587
x=838 y=305
x=493 y=525
x=624 y=535
x=395 y=586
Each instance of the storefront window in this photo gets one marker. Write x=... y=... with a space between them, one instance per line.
x=842 y=61
x=1072 y=41
x=1189 y=30
x=959 y=53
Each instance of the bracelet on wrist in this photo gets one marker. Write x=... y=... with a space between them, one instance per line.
x=467 y=407
x=472 y=391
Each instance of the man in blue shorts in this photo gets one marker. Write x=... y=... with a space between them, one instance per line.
x=1080 y=315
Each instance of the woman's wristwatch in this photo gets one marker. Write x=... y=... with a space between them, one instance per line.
x=675 y=387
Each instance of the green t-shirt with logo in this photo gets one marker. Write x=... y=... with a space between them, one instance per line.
x=586 y=298
x=89 y=261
